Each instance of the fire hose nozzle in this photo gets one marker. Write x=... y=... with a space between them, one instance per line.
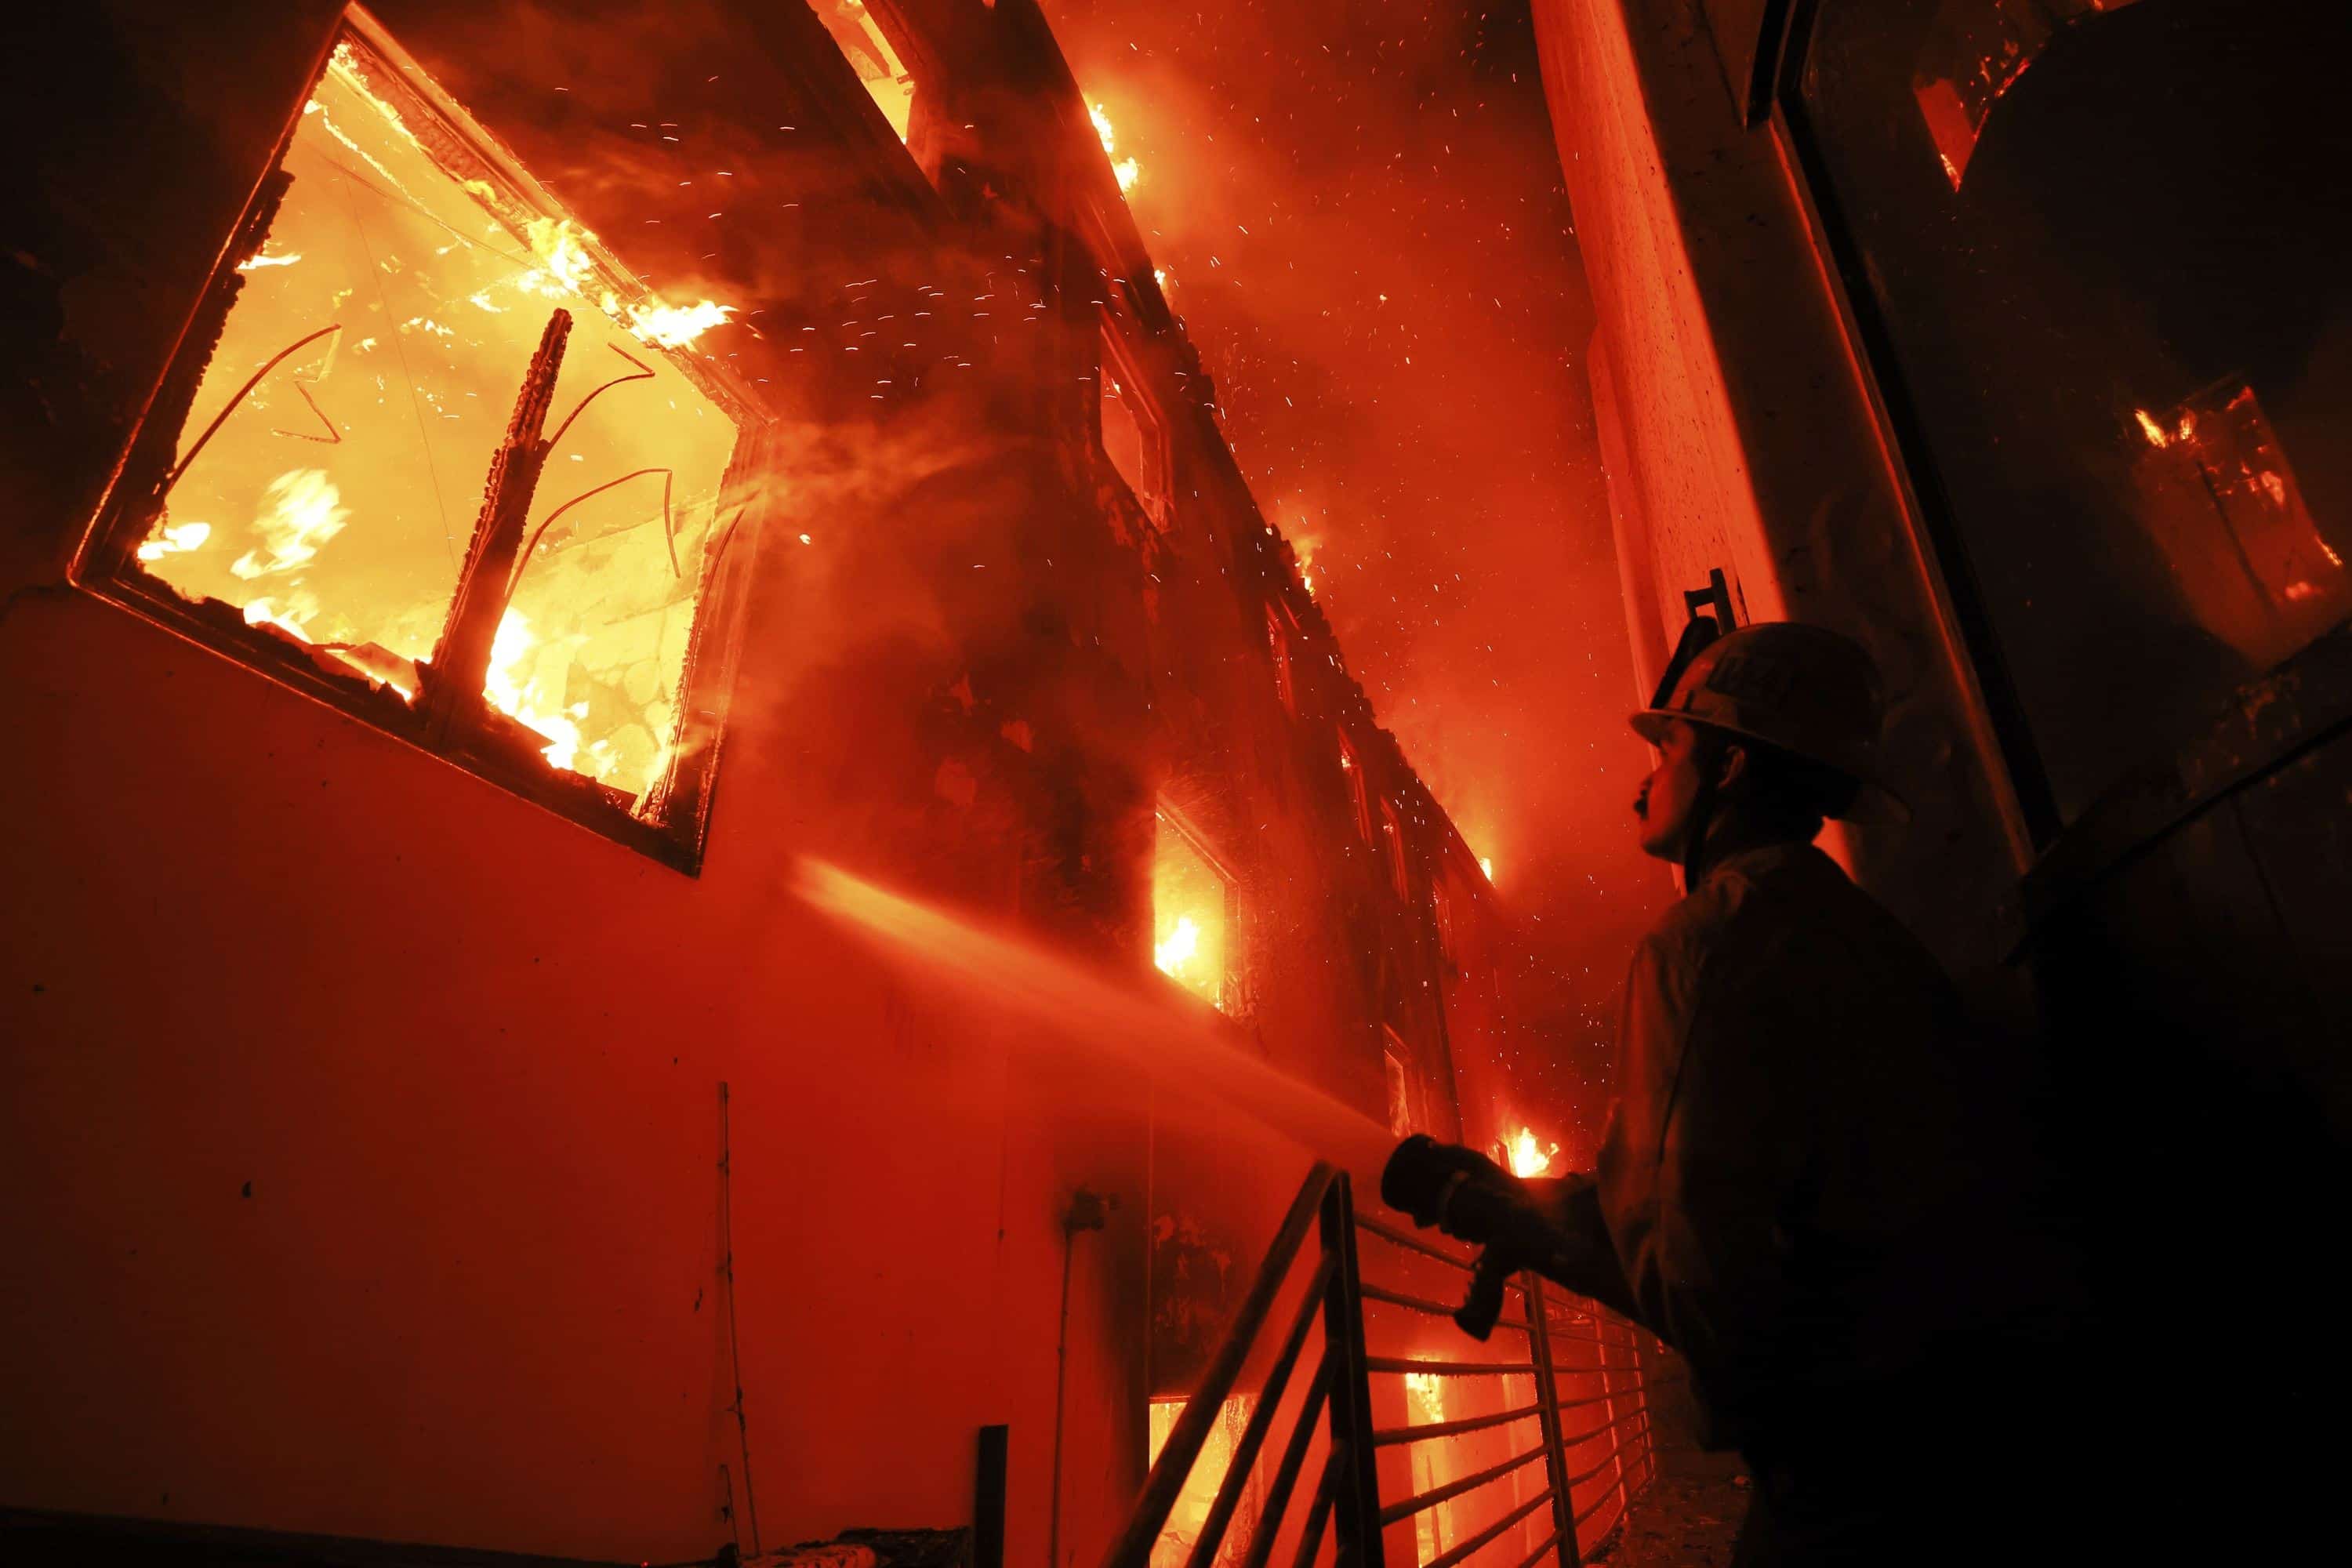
x=1462 y=1192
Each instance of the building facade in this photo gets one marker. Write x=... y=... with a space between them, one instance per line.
x=674 y=807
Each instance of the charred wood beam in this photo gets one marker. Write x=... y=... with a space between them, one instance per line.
x=461 y=659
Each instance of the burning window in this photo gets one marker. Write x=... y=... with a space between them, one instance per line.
x=869 y=52
x=1433 y=1528
x=1174 y=1547
x=1278 y=642
x=431 y=453
x=1441 y=913
x=1129 y=429
x=1192 y=914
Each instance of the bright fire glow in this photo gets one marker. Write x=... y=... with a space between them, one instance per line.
x=1488 y=866
x=1189 y=1517
x=305 y=511
x=1175 y=955
x=1189 y=897
x=1128 y=169
x=1528 y=1158
x=870 y=54
x=1432 y=1527
x=176 y=539
x=567 y=268
x=339 y=495
x=1304 y=549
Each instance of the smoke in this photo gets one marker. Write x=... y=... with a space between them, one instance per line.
x=1362 y=215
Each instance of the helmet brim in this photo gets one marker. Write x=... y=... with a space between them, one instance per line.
x=1874 y=802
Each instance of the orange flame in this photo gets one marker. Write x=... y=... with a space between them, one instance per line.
x=1526 y=1158
x=566 y=269
x=1175 y=953
x=1128 y=169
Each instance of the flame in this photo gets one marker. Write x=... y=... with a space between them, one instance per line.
x=566 y=269
x=1128 y=169
x=676 y=326
x=512 y=689
x=355 y=553
x=1174 y=956
x=292 y=615
x=175 y=538
x=2155 y=432
x=1488 y=866
x=565 y=265
x=305 y=511
x=1525 y=1158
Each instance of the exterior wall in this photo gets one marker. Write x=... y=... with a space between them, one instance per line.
x=1748 y=442
x=370 y=1117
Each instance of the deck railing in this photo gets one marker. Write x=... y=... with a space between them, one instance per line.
x=1572 y=1370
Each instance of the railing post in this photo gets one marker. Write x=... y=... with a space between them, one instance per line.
x=1563 y=1509
x=1609 y=1412
x=1357 y=1509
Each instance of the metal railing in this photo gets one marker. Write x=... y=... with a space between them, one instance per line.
x=1584 y=1390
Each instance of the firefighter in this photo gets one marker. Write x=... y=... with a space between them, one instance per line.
x=1819 y=1183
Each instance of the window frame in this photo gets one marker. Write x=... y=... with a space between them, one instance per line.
x=2206 y=758
x=1115 y=358
x=1360 y=792
x=1235 y=978
x=1902 y=429
x=1396 y=1052
x=1279 y=629
x=1400 y=863
x=105 y=564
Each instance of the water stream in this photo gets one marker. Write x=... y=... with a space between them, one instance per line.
x=1187 y=1059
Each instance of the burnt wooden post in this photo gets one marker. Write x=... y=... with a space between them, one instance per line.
x=1356 y=1499
x=461 y=659
x=1563 y=1508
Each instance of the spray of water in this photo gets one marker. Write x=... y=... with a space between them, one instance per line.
x=1183 y=1056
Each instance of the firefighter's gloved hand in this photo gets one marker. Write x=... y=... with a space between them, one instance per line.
x=1424 y=1178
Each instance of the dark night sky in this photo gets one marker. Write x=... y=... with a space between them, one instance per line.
x=1361 y=210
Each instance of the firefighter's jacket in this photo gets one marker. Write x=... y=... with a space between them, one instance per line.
x=1816 y=1182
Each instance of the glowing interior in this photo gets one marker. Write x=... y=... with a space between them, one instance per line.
x=1190 y=900
x=1174 y=1547
x=867 y=49
x=1124 y=439
x=335 y=503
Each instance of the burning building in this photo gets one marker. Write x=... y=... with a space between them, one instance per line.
x=630 y=639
